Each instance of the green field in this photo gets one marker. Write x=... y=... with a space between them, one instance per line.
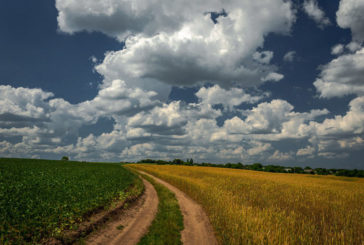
x=41 y=198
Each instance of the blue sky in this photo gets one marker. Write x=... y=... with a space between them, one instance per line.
x=277 y=82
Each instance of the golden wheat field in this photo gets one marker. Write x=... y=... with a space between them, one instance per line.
x=250 y=207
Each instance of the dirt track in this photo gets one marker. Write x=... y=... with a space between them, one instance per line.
x=197 y=227
x=133 y=223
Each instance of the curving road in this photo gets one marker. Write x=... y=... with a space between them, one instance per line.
x=197 y=227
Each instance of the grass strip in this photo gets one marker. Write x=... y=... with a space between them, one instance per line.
x=167 y=226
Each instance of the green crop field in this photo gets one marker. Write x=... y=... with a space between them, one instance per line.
x=41 y=198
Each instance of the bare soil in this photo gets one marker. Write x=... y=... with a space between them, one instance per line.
x=129 y=227
x=197 y=227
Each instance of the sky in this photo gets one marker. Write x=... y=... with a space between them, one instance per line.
x=270 y=81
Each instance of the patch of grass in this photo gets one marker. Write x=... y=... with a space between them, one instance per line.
x=120 y=227
x=167 y=226
x=42 y=198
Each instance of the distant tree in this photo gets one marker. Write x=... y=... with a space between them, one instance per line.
x=65 y=158
x=178 y=161
x=161 y=162
x=274 y=169
x=350 y=173
x=297 y=170
x=256 y=166
x=342 y=172
x=147 y=161
x=322 y=171
x=189 y=161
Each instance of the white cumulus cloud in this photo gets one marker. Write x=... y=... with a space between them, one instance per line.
x=350 y=15
x=229 y=98
x=342 y=76
x=337 y=49
x=312 y=9
x=177 y=43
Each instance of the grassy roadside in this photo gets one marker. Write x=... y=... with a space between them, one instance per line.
x=167 y=226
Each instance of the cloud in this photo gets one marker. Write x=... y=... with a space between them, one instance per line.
x=176 y=129
x=340 y=49
x=350 y=15
x=170 y=43
x=341 y=134
x=353 y=46
x=308 y=151
x=337 y=49
x=168 y=119
x=43 y=121
x=119 y=99
x=289 y=56
x=139 y=151
x=312 y=9
x=39 y=118
x=273 y=121
x=112 y=69
x=267 y=117
x=119 y=18
x=93 y=59
x=171 y=119
x=281 y=156
x=258 y=148
x=229 y=98
x=342 y=76
x=200 y=52
x=352 y=123
x=23 y=103
x=273 y=76
x=355 y=142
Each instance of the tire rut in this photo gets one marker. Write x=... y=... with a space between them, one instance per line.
x=132 y=225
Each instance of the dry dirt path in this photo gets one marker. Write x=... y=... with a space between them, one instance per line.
x=197 y=227
x=135 y=221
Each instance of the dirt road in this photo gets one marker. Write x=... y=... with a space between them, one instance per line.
x=197 y=227
x=130 y=227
